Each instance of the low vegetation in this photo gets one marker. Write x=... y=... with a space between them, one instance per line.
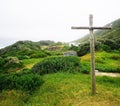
x=66 y=89
x=37 y=73
x=10 y=64
x=106 y=62
x=25 y=80
x=57 y=64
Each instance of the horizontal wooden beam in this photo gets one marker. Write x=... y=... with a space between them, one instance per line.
x=80 y=28
x=91 y=28
x=101 y=27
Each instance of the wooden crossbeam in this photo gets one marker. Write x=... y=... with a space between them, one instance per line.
x=91 y=28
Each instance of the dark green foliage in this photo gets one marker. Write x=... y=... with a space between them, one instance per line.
x=56 y=64
x=84 y=49
x=75 y=48
x=1 y=64
x=106 y=48
x=112 y=44
x=85 y=67
x=20 y=81
x=1 y=61
x=40 y=54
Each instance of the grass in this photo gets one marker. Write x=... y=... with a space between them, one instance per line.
x=30 y=62
x=13 y=98
x=106 y=62
x=65 y=89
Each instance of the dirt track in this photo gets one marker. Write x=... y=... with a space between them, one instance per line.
x=107 y=74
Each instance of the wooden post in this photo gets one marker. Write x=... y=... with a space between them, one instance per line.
x=92 y=47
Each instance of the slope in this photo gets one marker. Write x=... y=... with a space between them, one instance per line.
x=113 y=34
x=26 y=49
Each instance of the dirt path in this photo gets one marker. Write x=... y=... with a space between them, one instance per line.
x=107 y=74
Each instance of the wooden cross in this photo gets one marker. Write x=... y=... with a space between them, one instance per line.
x=92 y=47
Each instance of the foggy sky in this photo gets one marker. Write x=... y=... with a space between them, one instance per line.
x=52 y=19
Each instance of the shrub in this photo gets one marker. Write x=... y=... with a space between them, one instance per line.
x=84 y=49
x=1 y=61
x=55 y=64
x=12 y=64
x=21 y=57
x=20 y=81
x=106 y=48
x=85 y=67
x=40 y=54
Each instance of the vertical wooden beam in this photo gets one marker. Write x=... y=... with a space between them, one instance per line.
x=92 y=47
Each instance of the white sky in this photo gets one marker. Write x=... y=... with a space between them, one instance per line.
x=52 y=19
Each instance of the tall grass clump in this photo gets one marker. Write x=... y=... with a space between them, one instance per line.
x=57 y=64
x=26 y=81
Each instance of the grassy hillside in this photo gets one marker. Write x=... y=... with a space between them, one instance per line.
x=105 y=40
x=29 y=49
x=106 y=62
x=64 y=89
x=113 y=34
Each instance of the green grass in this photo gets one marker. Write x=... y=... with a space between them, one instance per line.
x=65 y=89
x=106 y=62
x=28 y=63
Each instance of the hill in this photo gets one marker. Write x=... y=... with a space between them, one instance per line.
x=28 y=49
x=105 y=40
x=100 y=35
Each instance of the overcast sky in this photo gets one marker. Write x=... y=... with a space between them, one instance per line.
x=52 y=19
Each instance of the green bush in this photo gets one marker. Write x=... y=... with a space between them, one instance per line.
x=26 y=81
x=106 y=48
x=11 y=64
x=85 y=67
x=1 y=61
x=84 y=49
x=55 y=64
x=38 y=55
x=21 y=57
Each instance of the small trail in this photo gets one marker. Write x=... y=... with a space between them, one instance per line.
x=97 y=73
